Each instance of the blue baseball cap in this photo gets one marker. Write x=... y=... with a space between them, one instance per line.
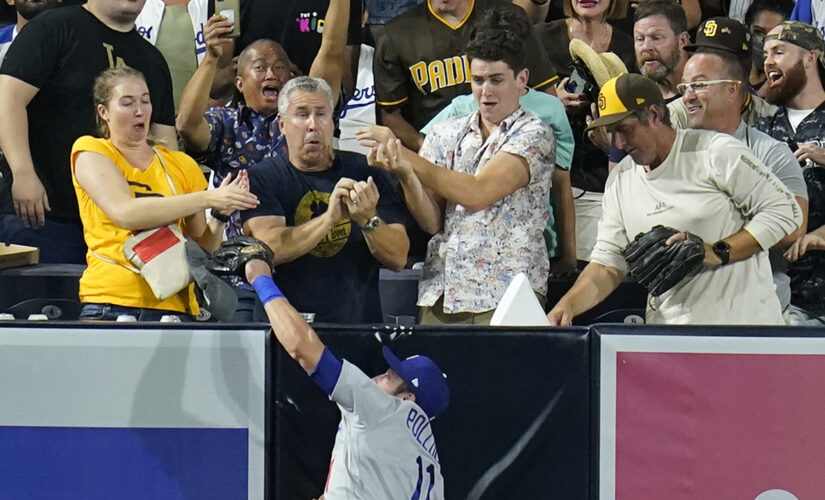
x=425 y=379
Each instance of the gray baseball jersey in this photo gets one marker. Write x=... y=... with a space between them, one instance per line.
x=384 y=448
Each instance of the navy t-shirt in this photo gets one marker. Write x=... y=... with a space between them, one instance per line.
x=338 y=279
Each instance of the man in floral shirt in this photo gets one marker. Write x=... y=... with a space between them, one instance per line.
x=226 y=138
x=480 y=186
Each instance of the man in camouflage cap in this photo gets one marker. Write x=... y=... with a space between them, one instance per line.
x=794 y=63
x=801 y=34
x=795 y=67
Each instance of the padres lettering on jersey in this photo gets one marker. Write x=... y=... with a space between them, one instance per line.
x=441 y=73
x=420 y=66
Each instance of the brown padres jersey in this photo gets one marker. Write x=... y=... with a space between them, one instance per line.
x=420 y=65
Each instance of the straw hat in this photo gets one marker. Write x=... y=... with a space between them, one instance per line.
x=602 y=66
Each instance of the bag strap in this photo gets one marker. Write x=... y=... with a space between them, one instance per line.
x=174 y=192
x=165 y=172
x=110 y=261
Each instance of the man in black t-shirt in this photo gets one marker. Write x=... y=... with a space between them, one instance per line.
x=330 y=219
x=46 y=104
x=420 y=65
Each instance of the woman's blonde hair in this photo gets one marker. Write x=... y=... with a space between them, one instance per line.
x=105 y=83
x=617 y=9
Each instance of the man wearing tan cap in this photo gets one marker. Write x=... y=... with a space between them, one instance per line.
x=697 y=181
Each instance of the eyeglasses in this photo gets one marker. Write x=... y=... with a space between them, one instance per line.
x=697 y=87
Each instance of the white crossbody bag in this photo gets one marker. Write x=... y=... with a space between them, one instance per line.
x=158 y=255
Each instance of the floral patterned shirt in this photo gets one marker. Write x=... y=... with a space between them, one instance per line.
x=241 y=137
x=472 y=260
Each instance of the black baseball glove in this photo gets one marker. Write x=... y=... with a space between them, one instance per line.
x=659 y=267
x=234 y=253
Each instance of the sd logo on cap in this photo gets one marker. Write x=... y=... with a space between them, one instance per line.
x=620 y=97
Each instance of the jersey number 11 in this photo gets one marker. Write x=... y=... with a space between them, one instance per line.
x=431 y=471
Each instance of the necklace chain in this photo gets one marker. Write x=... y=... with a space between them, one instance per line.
x=599 y=45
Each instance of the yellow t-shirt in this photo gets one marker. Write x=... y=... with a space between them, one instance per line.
x=104 y=282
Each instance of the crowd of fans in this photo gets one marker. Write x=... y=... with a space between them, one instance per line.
x=484 y=137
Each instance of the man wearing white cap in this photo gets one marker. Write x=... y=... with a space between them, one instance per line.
x=697 y=181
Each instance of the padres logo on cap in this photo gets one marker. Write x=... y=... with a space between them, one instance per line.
x=710 y=29
x=602 y=103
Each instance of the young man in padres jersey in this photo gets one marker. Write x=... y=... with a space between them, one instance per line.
x=385 y=447
x=416 y=76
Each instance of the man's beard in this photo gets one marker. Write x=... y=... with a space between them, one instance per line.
x=666 y=67
x=793 y=81
x=28 y=10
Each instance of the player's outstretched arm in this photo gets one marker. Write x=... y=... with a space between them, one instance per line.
x=297 y=337
x=595 y=283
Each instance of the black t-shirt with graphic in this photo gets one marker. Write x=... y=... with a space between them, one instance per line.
x=338 y=279
x=295 y=24
x=61 y=52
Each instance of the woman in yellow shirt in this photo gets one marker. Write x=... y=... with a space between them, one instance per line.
x=125 y=184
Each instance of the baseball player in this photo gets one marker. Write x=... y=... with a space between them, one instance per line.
x=385 y=448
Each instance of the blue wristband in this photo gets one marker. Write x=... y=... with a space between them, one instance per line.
x=266 y=289
x=327 y=372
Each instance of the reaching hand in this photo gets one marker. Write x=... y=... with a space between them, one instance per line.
x=571 y=101
x=810 y=151
x=30 y=199
x=233 y=194
x=598 y=136
x=215 y=33
x=362 y=202
x=810 y=241
x=560 y=316
x=392 y=157
x=373 y=135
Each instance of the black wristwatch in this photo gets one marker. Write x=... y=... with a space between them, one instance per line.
x=371 y=224
x=722 y=250
x=220 y=217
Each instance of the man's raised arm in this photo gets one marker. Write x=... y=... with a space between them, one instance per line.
x=194 y=101
x=330 y=62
